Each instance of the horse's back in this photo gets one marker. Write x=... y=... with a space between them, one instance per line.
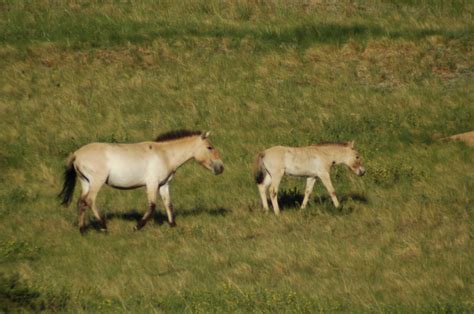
x=122 y=164
x=274 y=157
x=109 y=149
x=284 y=152
x=91 y=152
x=129 y=160
x=298 y=161
x=85 y=149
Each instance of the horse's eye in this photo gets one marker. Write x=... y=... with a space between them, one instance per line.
x=357 y=157
x=209 y=147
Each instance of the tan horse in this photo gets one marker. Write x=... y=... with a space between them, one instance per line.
x=130 y=166
x=310 y=162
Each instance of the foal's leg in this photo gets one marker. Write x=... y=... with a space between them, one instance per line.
x=309 y=188
x=165 y=196
x=151 y=194
x=276 y=178
x=326 y=179
x=262 y=188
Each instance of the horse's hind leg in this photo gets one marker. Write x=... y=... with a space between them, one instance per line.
x=276 y=178
x=82 y=205
x=81 y=208
x=309 y=188
x=263 y=188
x=91 y=197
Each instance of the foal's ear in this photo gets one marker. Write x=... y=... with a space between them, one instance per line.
x=351 y=144
x=205 y=135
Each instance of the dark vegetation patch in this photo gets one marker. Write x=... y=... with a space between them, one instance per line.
x=234 y=299
x=18 y=296
x=17 y=250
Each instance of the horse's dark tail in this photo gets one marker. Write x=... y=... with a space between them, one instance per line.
x=260 y=170
x=69 y=182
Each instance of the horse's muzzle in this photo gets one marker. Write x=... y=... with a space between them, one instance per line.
x=217 y=167
x=360 y=171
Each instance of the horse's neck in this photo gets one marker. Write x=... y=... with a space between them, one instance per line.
x=337 y=156
x=179 y=152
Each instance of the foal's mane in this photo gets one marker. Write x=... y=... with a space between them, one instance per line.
x=175 y=135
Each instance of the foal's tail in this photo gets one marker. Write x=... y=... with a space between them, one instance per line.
x=69 y=182
x=260 y=170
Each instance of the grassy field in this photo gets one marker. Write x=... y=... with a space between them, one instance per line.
x=394 y=76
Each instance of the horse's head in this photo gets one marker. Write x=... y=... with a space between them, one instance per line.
x=208 y=156
x=353 y=160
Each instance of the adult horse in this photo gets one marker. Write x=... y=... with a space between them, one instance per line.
x=129 y=166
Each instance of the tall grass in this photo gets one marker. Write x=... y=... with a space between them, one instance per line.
x=393 y=76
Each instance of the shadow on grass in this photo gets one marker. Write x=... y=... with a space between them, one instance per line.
x=83 y=31
x=160 y=217
x=292 y=199
x=132 y=215
x=220 y=211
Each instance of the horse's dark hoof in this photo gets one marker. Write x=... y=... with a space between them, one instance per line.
x=82 y=230
x=139 y=225
x=172 y=224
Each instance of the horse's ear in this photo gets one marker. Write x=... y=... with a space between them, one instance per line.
x=351 y=144
x=206 y=135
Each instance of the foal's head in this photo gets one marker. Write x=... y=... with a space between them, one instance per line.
x=208 y=156
x=353 y=160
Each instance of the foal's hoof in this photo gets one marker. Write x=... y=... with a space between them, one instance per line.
x=172 y=224
x=82 y=230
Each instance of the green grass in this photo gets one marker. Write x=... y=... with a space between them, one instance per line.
x=393 y=76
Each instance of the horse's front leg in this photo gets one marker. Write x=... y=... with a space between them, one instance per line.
x=151 y=194
x=326 y=180
x=309 y=188
x=165 y=196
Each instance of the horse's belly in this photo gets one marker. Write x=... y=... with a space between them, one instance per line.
x=126 y=176
x=124 y=182
x=299 y=172
x=299 y=169
x=300 y=163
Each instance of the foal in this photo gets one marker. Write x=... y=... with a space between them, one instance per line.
x=130 y=166
x=310 y=162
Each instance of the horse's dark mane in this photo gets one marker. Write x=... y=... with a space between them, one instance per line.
x=174 y=135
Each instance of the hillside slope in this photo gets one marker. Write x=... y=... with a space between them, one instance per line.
x=392 y=75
